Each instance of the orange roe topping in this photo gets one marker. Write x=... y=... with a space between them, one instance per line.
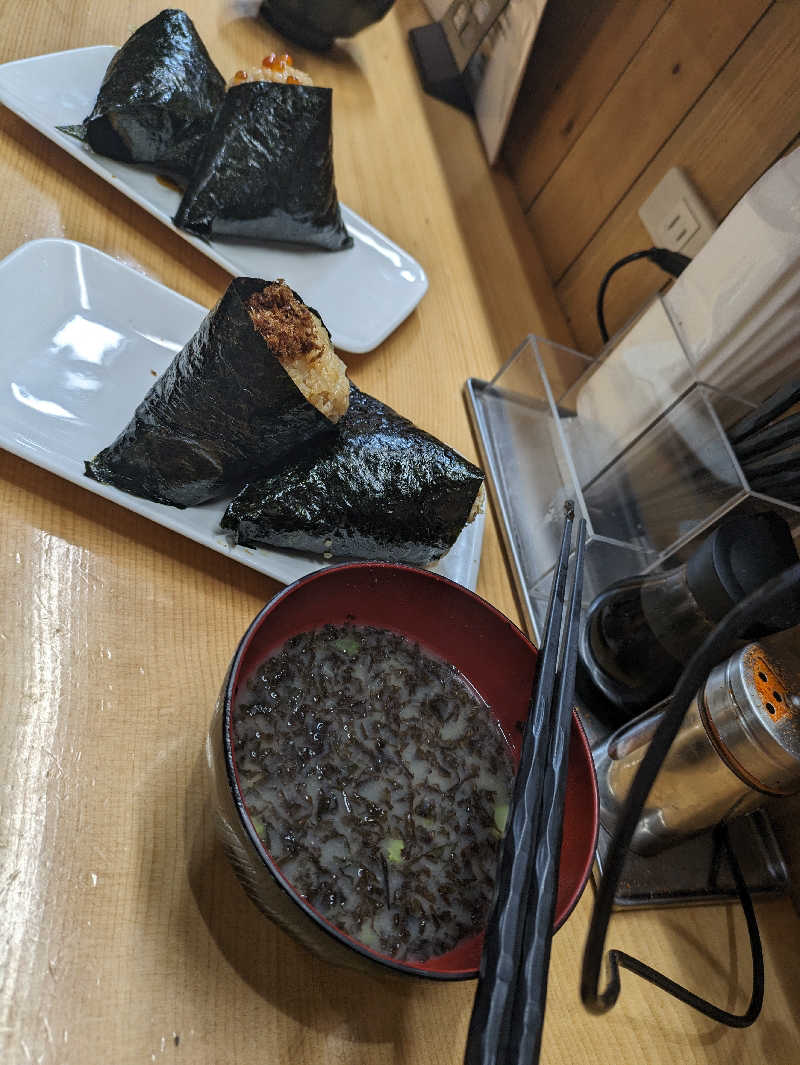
x=275 y=68
x=277 y=62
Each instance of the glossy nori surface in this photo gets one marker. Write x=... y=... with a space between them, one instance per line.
x=266 y=172
x=223 y=410
x=158 y=98
x=379 y=489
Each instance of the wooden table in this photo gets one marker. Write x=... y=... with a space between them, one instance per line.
x=124 y=937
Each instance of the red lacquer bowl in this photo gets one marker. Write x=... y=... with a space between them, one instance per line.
x=458 y=626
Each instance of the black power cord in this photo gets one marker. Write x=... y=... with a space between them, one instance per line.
x=671 y=262
x=779 y=593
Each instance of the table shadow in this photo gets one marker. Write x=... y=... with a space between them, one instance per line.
x=245 y=17
x=128 y=526
x=316 y=994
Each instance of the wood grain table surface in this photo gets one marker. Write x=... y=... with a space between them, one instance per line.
x=124 y=937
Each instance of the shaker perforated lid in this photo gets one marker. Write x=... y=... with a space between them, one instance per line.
x=751 y=710
x=740 y=555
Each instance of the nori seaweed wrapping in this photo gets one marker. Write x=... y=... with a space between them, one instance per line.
x=222 y=411
x=158 y=98
x=380 y=489
x=267 y=169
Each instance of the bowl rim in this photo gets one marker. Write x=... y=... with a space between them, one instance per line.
x=340 y=937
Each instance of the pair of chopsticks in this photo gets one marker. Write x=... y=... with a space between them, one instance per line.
x=508 y=1013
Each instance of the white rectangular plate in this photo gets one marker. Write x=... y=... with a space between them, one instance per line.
x=74 y=366
x=363 y=293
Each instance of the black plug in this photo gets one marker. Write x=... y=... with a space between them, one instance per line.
x=671 y=262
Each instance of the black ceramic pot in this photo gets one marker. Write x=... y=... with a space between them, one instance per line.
x=315 y=25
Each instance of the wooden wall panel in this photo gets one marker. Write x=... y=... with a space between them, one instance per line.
x=581 y=49
x=683 y=54
x=737 y=129
x=616 y=93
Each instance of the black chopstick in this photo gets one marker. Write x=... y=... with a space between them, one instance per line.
x=531 y=992
x=494 y=999
x=779 y=402
x=779 y=461
x=777 y=484
x=770 y=439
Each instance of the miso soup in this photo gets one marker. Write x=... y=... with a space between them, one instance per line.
x=379 y=782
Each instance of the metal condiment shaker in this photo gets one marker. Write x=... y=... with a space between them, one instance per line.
x=738 y=746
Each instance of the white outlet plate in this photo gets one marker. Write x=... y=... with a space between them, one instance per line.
x=675 y=216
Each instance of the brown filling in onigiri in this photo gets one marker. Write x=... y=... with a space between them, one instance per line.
x=302 y=346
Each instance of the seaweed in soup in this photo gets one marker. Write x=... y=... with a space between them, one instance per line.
x=379 y=782
x=226 y=405
x=380 y=488
x=158 y=98
x=266 y=172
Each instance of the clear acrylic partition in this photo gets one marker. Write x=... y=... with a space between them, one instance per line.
x=633 y=438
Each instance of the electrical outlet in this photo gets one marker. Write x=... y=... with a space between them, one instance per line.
x=675 y=216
